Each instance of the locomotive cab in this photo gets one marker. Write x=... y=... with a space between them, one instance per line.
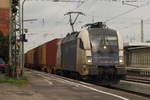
x=105 y=54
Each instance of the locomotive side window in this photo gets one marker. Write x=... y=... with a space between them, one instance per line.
x=81 y=44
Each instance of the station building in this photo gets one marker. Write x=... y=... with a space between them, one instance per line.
x=137 y=58
x=137 y=55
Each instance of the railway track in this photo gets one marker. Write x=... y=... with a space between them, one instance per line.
x=122 y=86
x=138 y=79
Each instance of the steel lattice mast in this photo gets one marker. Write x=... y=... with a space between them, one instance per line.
x=15 y=40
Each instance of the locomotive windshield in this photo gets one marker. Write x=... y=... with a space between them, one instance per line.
x=103 y=38
x=109 y=40
x=104 y=43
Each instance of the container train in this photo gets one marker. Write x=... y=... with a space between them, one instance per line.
x=95 y=53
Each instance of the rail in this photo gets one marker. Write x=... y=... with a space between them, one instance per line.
x=138 y=79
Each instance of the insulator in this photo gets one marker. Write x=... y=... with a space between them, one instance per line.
x=23 y=38
x=15 y=2
x=14 y=10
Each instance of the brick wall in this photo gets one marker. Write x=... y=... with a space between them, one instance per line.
x=4 y=21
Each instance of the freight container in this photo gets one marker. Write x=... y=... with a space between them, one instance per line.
x=58 y=57
x=29 y=58
x=51 y=53
x=39 y=56
x=44 y=56
x=36 y=59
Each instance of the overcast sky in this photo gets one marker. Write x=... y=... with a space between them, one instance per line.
x=51 y=22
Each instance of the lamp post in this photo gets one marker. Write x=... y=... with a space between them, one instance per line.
x=22 y=34
x=23 y=15
x=142 y=33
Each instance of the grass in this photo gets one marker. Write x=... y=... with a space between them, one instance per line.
x=19 y=83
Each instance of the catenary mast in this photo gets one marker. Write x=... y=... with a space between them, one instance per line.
x=15 y=41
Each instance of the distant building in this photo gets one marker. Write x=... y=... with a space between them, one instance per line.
x=4 y=16
x=137 y=55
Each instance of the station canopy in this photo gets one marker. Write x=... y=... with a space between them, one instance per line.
x=130 y=46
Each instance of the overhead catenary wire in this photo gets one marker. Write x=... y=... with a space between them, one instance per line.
x=124 y=13
x=93 y=4
x=54 y=2
x=135 y=24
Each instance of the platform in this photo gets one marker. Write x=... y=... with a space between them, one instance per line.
x=44 y=86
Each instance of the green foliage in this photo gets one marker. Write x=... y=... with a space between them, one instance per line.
x=14 y=81
x=4 y=47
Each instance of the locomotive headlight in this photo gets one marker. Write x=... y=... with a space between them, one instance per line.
x=105 y=47
x=89 y=59
x=121 y=61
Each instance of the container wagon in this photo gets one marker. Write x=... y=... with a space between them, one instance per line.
x=43 y=57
